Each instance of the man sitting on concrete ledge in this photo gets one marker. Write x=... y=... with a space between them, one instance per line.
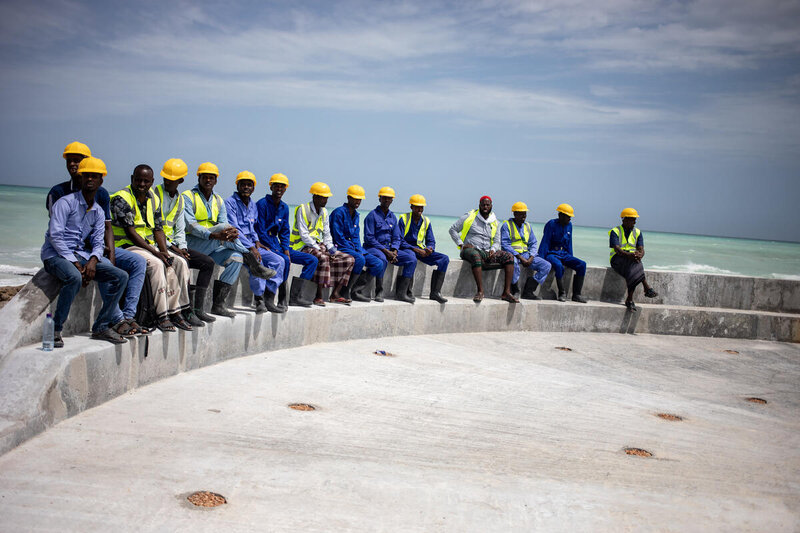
x=75 y=221
x=556 y=247
x=418 y=237
x=475 y=234
x=517 y=238
x=208 y=232
x=627 y=250
x=312 y=235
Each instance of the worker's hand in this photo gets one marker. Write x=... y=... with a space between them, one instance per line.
x=287 y=254
x=79 y=266
x=165 y=257
x=526 y=261
x=256 y=253
x=89 y=270
x=491 y=255
x=428 y=252
x=332 y=251
x=638 y=254
x=111 y=254
x=181 y=252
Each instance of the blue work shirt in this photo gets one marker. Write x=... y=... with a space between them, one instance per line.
x=71 y=222
x=192 y=227
x=345 y=230
x=410 y=239
x=243 y=218
x=273 y=224
x=505 y=239
x=556 y=239
x=62 y=189
x=381 y=231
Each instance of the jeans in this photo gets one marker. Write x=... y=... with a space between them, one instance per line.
x=111 y=283
x=135 y=266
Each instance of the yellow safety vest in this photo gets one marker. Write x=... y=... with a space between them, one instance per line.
x=316 y=232
x=200 y=211
x=169 y=218
x=627 y=244
x=519 y=242
x=468 y=224
x=423 y=228
x=142 y=225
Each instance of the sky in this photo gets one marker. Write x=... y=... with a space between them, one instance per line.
x=687 y=111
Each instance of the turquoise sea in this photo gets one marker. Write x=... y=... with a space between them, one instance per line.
x=25 y=222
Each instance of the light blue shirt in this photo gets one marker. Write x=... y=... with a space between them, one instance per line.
x=192 y=227
x=71 y=222
x=243 y=218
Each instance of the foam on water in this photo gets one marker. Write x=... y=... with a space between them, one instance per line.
x=693 y=268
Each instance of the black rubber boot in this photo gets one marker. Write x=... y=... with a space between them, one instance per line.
x=269 y=301
x=562 y=294
x=378 y=289
x=437 y=279
x=219 y=307
x=260 y=307
x=528 y=293
x=353 y=286
x=296 y=293
x=198 y=304
x=401 y=290
x=514 y=288
x=362 y=288
x=283 y=297
x=410 y=290
x=577 y=287
x=257 y=269
x=188 y=314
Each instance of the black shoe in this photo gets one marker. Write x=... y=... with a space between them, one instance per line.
x=378 y=289
x=355 y=286
x=109 y=335
x=256 y=268
x=58 y=341
x=260 y=307
x=269 y=301
x=650 y=293
x=514 y=288
x=296 y=296
x=401 y=290
x=631 y=307
x=577 y=288
x=198 y=304
x=528 y=292
x=437 y=279
x=562 y=294
x=190 y=317
x=221 y=291
x=283 y=297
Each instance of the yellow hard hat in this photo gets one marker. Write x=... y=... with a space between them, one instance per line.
x=279 y=178
x=320 y=189
x=629 y=212
x=174 y=169
x=77 y=148
x=357 y=192
x=208 y=168
x=519 y=206
x=246 y=175
x=566 y=209
x=386 y=191
x=92 y=165
x=417 y=199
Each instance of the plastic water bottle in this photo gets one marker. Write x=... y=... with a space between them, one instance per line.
x=48 y=333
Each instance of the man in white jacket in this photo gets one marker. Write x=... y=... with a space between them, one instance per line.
x=476 y=235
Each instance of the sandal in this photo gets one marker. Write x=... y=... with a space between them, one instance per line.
x=319 y=301
x=123 y=329
x=166 y=326
x=510 y=299
x=109 y=335
x=650 y=293
x=478 y=298
x=136 y=329
x=340 y=300
x=178 y=321
x=631 y=307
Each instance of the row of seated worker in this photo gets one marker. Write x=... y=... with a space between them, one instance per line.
x=148 y=236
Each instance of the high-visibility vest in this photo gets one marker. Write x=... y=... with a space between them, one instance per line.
x=315 y=233
x=423 y=228
x=169 y=218
x=142 y=225
x=519 y=242
x=468 y=224
x=200 y=211
x=627 y=244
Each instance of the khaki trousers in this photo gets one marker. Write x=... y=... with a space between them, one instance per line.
x=170 y=286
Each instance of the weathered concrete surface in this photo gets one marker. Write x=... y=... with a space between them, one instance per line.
x=21 y=319
x=480 y=432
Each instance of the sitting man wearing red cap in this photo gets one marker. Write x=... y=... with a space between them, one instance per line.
x=475 y=233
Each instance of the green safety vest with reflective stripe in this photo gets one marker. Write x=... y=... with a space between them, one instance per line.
x=200 y=211
x=519 y=242
x=423 y=228
x=316 y=232
x=168 y=219
x=468 y=224
x=626 y=244
x=142 y=225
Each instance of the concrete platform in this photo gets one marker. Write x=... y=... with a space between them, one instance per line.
x=458 y=432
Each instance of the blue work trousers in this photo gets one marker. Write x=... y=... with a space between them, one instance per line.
x=308 y=261
x=539 y=267
x=135 y=265
x=270 y=260
x=229 y=259
x=406 y=259
x=375 y=267
x=560 y=261
x=439 y=260
x=111 y=284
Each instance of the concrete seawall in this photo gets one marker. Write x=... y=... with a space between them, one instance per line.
x=38 y=389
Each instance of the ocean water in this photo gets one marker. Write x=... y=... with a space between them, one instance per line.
x=25 y=222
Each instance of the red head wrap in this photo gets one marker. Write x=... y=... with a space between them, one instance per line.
x=485 y=198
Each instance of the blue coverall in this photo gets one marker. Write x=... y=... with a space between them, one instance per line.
x=346 y=235
x=381 y=232
x=556 y=247
x=409 y=242
x=273 y=231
